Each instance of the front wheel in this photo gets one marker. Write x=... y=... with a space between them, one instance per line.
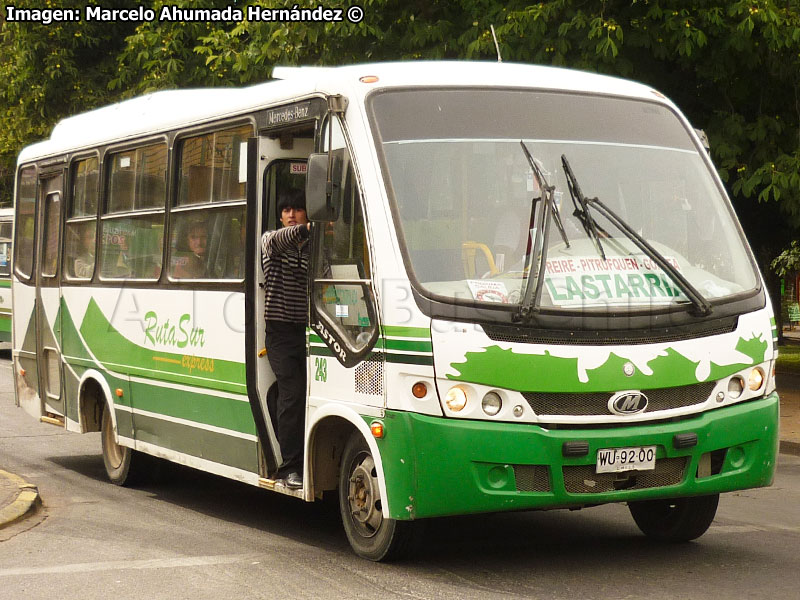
x=677 y=519
x=370 y=534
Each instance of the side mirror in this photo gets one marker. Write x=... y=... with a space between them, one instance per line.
x=323 y=204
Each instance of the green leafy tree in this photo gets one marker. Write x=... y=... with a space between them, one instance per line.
x=49 y=71
x=733 y=67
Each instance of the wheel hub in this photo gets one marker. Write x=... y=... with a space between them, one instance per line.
x=365 y=498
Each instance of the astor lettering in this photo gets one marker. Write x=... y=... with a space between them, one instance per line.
x=333 y=344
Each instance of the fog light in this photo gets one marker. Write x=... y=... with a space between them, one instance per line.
x=735 y=387
x=492 y=403
x=755 y=380
x=518 y=410
x=456 y=399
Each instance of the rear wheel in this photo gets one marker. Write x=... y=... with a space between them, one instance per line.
x=370 y=534
x=677 y=519
x=124 y=466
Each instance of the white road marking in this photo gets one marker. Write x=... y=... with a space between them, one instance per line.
x=119 y=565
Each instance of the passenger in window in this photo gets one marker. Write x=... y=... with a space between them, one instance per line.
x=83 y=265
x=191 y=260
x=284 y=260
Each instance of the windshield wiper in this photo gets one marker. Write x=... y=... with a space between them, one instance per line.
x=701 y=305
x=541 y=225
x=548 y=192
x=581 y=204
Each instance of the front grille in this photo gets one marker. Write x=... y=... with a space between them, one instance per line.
x=596 y=403
x=528 y=335
x=532 y=478
x=581 y=479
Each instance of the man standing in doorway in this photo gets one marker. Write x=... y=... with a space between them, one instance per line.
x=284 y=259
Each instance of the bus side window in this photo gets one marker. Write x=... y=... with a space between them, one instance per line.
x=5 y=258
x=132 y=240
x=207 y=241
x=26 y=218
x=81 y=228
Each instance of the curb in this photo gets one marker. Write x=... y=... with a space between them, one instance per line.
x=792 y=448
x=25 y=504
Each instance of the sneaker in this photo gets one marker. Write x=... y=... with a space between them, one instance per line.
x=294 y=481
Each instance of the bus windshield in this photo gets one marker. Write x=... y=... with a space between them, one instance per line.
x=476 y=212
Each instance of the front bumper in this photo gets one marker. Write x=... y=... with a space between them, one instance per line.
x=436 y=466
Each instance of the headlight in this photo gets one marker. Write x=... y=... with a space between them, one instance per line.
x=735 y=387
x=492 y=403
x=456 y=399
x=755 y=380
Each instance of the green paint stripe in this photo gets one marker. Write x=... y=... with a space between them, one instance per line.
x=208 y=445
x=772 y=320
x=77 y=361
x=409 y=359
x=406 y=359
x=207 y=409
x=409 y=345
x=398 y=331
x=320 y=351
x=5 y=283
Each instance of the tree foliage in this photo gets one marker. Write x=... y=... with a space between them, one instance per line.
x=732 y=66
x=49 y=71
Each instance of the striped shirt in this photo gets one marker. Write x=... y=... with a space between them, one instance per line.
x=285 y=264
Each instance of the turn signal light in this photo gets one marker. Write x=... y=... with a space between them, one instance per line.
x=22 y=372
x=118 y=392
x=377 y=429
x=419 y=390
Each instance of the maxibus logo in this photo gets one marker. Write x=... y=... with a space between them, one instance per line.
x=178 y=335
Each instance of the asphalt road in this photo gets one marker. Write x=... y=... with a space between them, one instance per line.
x=197 y=536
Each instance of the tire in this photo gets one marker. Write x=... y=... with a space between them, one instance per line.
x=124 y=466
x=677 y=519
x=370 y=534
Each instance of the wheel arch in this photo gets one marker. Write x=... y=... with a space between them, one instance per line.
x=332 y=426
x=94 y=396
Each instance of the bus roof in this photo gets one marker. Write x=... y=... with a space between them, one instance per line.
x=161 y=111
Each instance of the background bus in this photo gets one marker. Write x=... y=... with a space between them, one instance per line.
x=6 y=228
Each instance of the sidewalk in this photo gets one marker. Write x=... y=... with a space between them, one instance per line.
x=18 y=498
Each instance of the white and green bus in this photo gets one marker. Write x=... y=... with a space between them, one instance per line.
x=6 y=229
x=528 y=290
